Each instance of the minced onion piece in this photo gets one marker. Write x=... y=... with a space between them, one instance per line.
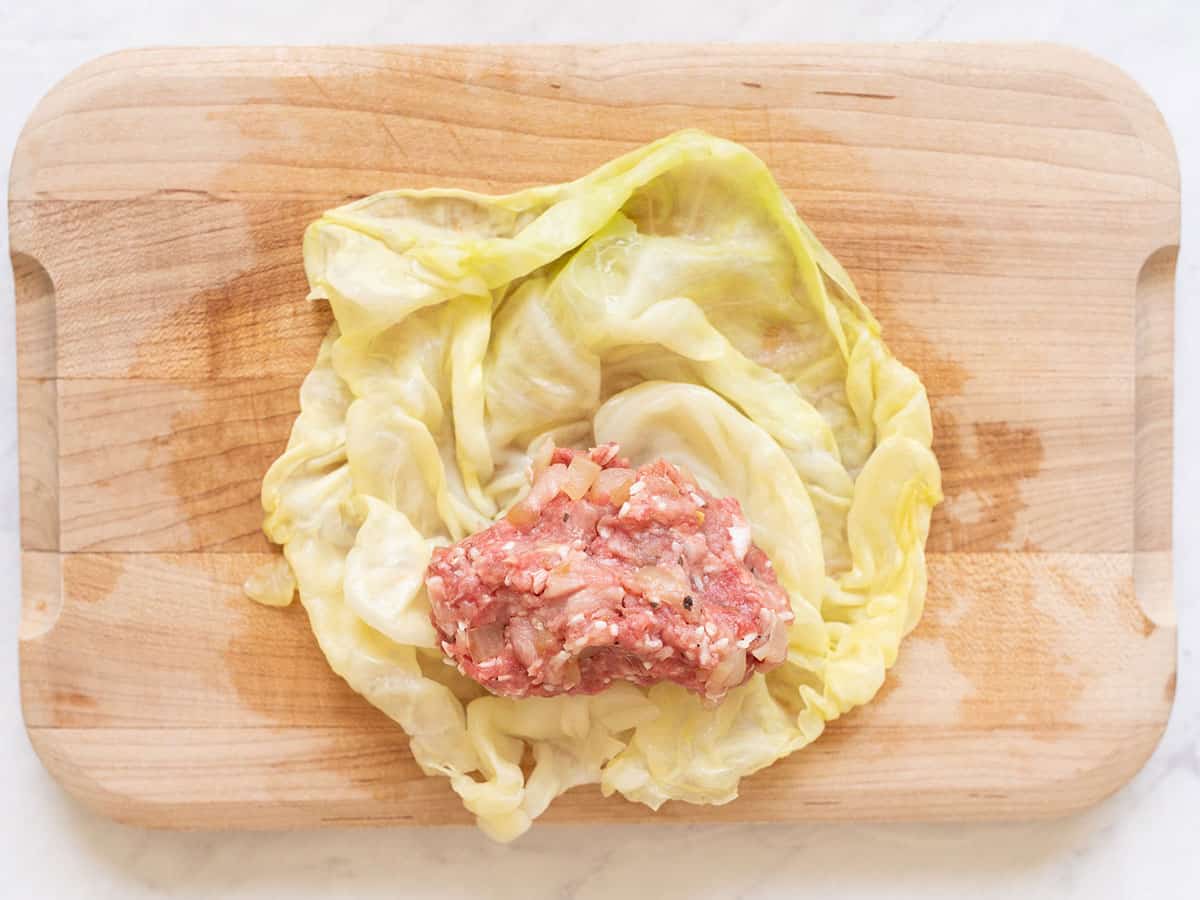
x=581 y=475
x=561 y=582
x=612 y=486
x=774 y=649
x=529 y=642
x=486 y=641
x=545 y=488
x=728 y=674
x=661 y=585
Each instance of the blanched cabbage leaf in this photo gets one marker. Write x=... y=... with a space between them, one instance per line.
x=671 y=301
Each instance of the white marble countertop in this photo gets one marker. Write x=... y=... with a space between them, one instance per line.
x=1141 y=843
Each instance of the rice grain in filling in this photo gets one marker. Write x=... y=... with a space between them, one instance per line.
x=606 y=572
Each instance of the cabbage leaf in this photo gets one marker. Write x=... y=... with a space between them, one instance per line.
x=672 y=301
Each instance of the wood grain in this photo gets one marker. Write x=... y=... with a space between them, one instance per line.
x=1010 y=213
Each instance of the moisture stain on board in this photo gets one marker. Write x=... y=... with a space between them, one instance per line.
x=1118 y=600
x=1001 y=640
x=272 y=659
x=984 y=471
x=249 y=323
x=226 y=427
x=93 y=579
x=221 y=441
x=985 y=464
x=211 y=387
x=277 y=671
x=76 y=700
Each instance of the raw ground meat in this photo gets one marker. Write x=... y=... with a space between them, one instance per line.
x=607 y=573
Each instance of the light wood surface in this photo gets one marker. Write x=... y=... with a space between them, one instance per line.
x=1010 y=213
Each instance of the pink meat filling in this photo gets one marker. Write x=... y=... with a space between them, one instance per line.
x=605 y=573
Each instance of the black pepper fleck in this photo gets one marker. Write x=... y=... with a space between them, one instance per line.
x=566 y=516
x=687 y=602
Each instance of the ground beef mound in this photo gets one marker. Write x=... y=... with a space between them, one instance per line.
x=603 y=573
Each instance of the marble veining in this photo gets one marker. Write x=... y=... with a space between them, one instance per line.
x=1140 y=843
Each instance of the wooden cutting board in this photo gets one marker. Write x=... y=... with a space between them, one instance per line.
x=1010 y=213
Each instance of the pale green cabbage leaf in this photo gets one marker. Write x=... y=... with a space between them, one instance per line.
x=671 y=301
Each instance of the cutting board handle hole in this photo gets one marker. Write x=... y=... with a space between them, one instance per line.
x=1153 y=402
